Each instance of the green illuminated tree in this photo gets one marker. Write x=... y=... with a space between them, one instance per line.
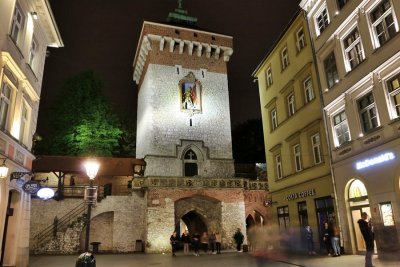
x=81 y=123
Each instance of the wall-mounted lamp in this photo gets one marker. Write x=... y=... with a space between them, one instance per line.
x=139 y=169
x=3 y=169
x=269 y=202
x=34 y=15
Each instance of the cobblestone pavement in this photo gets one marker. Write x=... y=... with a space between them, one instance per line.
x=231 y=259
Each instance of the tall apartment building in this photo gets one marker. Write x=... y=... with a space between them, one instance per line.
x=357 y=52
x=300 y=182
x=27 y=28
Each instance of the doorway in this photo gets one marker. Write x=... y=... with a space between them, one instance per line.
x=191 y=222
x=359 y=203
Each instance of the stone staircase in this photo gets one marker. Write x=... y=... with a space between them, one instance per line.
x=63 y=238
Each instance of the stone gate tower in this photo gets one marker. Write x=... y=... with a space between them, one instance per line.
x=184 y=135
x=183 y=119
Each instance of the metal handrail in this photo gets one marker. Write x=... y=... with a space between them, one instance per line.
x=48 y=232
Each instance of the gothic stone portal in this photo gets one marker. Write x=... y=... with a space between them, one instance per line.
x=199 y=214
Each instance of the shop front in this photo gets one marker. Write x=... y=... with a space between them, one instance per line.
x=370 y=183
x=307 y=204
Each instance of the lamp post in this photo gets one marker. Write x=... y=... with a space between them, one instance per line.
x=92 y=167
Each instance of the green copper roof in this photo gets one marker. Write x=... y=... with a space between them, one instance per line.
x=180 y=16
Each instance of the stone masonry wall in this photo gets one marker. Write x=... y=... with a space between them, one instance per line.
x=162 y=125
x=43 y=213
x=119 y=233
x=161 y=214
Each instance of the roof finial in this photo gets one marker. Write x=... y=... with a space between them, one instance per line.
x=180 y=4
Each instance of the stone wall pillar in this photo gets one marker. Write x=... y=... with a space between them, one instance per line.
x=160 y=225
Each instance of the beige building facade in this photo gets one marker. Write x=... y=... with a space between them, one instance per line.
x=357 y=51
x=27 y=28
x=300 y=182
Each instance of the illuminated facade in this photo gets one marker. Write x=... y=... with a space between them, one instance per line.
x=357 y=51
x=184 y=135
x=298 y=167
x=27 y=28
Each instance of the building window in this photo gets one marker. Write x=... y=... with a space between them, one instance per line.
x=16 y=26
x=300 y=39
x=24 y=124
x=32 y=53
x=316 y=146
x=278 y=162
x=297 y=157
x=308 y=90
x=368 y=114
x=5 y=103
x=341 y=128
x=322 y=20
x=269 y=77
x=394 y=93
x=284 y=58
x=283 y=217
x=342 y=3
x=274 y=119
x=303 y=215
x=383 y=23
x=332 y=76
x=190 y=163
x=353 y=49
x=291 y=105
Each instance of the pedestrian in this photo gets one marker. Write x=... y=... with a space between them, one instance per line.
x=204 y=242
x=368 y=235
x=310 y=240
x=174 y=243
x=185 y=238
x=238 y=237
x=55 y=226
x=327 y=238
x=335 y=238
x=218 y=241
x=196 y=244
x=212 y=242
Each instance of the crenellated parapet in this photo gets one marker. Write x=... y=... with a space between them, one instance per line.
x=181 y=42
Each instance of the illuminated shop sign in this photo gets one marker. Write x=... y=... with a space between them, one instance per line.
x=302 y=194
x=375 y=160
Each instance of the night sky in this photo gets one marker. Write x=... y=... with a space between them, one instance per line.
x=102 y=36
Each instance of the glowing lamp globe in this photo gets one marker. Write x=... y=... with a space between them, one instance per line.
x=45 y=193
x=92 y=167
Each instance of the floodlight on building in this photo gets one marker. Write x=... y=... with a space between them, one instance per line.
x=34 y=15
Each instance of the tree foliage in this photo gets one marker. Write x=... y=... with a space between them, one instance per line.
x=81 y=122
x=248 y=142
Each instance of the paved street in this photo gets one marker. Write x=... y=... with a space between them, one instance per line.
x=231 y=259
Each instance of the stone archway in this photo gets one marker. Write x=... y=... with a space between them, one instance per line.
x=198 y=213
x=192 y=222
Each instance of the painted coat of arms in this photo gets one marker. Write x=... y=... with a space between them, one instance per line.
x=190 y=94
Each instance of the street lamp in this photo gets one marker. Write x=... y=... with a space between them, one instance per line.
x=92 y=167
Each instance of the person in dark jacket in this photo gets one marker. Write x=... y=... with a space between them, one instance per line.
x=196 y=244
x=327 y=238
x=368 y=235
x=185 y=238
x=174 y=243
x=238 y=237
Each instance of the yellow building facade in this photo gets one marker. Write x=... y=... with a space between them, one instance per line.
x=298 y=165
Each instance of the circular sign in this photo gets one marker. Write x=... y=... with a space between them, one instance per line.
x=31 y=187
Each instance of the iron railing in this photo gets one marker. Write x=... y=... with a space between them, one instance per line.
x=46 y=234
